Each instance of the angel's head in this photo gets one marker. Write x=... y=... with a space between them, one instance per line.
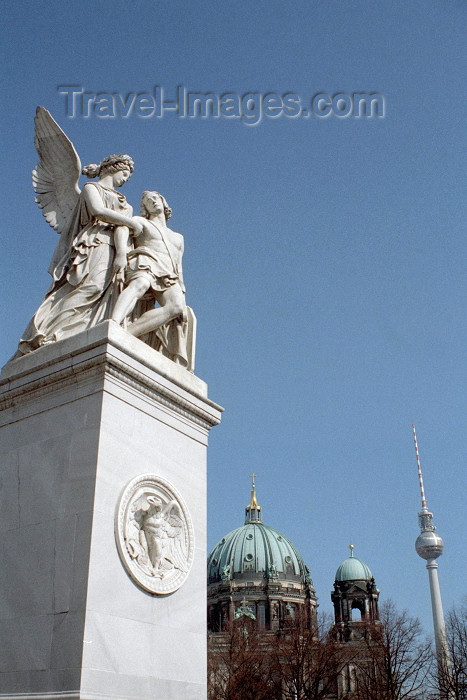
x=155 y=502
x=119 y=166
x=151 y=202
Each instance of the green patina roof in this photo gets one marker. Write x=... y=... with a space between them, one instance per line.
x=255 y=549
x=353 y=569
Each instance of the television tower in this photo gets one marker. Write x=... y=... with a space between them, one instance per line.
x=429 y=546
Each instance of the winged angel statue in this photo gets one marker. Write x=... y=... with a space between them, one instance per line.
x=107 y=264
x=155 y=536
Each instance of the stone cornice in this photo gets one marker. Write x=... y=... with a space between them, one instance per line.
x=96 y=359
x=164 y=395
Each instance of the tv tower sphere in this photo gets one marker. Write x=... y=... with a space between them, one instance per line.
x=429 y=545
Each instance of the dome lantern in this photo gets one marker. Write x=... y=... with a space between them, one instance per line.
x=253 y=510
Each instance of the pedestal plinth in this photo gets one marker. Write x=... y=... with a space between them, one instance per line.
x=83 y=420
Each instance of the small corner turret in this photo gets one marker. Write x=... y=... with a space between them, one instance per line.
x=355 y=598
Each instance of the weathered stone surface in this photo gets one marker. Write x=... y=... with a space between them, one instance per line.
x=81 y=418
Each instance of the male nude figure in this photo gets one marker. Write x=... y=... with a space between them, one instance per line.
x=156 y=264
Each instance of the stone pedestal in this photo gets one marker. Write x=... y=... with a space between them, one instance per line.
x=81 y=419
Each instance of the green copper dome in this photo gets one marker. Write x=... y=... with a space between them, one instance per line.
x=353 y=569
x=252 y=551
x=256 y=551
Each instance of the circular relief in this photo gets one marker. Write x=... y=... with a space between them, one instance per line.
x=249 y=536
x=288 y=559
x=280 y=538
x=154 y=534
x=248 y=557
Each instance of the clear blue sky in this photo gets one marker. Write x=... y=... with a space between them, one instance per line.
x=325 y=258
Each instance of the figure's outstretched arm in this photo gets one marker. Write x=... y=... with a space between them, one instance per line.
x=122 y=241
x=99 y=211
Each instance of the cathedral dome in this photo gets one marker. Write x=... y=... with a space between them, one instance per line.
x=353 y=569
x=256 y=570
x=255 y=551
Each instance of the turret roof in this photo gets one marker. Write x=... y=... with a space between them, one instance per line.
x=353 y=569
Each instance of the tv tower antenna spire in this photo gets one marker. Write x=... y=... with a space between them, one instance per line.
x=419 y=467
x=429 y=546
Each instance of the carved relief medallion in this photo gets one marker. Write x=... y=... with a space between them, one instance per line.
x=154 y=534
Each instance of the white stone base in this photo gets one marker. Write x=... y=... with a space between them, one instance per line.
x=81 y=418
x=42 y=696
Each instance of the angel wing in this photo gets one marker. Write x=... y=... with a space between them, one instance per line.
x=55 y=178
x=175 y=521
x=177 y=554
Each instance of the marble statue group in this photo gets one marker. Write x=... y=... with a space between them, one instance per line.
x=104 y=435
x=108 y=264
